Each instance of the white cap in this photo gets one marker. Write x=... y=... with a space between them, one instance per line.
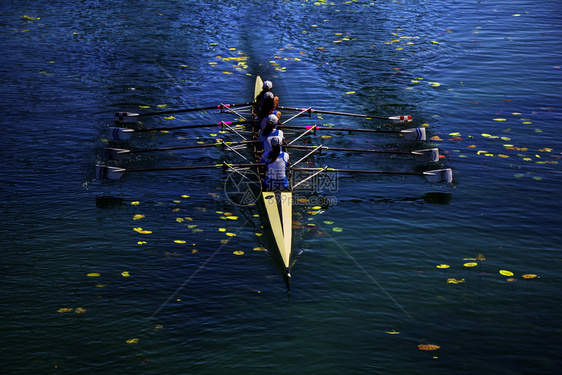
x=273 y=119
x=268 y=94
x=268 y=85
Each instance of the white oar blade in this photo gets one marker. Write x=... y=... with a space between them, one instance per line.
x=402 y=119
x=119 y=134
x=430 y=154
x=125 y=117
x=115 y=153
x=439 y=175
x=111 y=173
x=414 y=134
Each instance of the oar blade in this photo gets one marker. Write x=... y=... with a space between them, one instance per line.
x=414 y=134
x=115 y=153
x=429 y=154
x=119 y=134
x=110 y=173
x=400 y=119
x=439 y=175
x=125 y=117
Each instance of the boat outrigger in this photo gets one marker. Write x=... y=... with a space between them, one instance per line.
x=275 y=208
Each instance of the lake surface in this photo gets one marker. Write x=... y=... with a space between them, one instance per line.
x=159 y=272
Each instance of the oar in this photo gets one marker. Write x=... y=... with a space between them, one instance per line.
x=430 y=154
x=413 y=134
x=132 y=117
x=115 y=173
x=437 y=175
x=121 y=134
x=404 y=118
x=112 y=153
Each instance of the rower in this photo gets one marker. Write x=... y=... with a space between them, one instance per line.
x=276 y=162
x=268 y=106
x=270 y=131
x=266 y=99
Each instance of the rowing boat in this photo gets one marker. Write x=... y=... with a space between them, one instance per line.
x=275 y=208
x=276 y=212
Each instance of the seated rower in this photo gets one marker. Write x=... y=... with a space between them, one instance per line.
x=270 y=131
x=269 y=107
x=276 y=162
x=267 y=87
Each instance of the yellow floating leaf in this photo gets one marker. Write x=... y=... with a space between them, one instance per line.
x=259 y=234
x=101 y=285
x=503 y=156
x=393 y=332
x=428 y=347
x=434 y=42
x=436 y=138
x=231 y=234
x=455 y=134
x=180 y=241
x=316 y=207
x=80 y=310
x=64 y=309
x=138 y=217
x=471 y=146
x=144 y=106
x=141 y=243
x=125 y=274
x=434 y=84
x=442 y=266
x=529 y=276
x=471 y=264
x=511 y=279
x=261 y=248
x=161 y=105
x=232 y=217
x=194 y=251
x=238 y=252
x=158 y=327
x=506 y=273
x=30 y=18
x=227 y=72
x=222 y=229
x=481 y=152
x=328 y=222
x=452 y=280
x=516 y=15
x=516 y=113
x=93 y=274
x=499 y=119
x=337 y=229
x=480 y=257
x=350 y=92
x=505 y=139
x=135 y=203
x=185 y=196
x=180 y=219
x=132 y=341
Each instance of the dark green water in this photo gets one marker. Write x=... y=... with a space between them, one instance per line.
x=482 y=76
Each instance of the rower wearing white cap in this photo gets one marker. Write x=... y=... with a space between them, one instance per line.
x=276 y=163
x=269 y=132
x=266 y=101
